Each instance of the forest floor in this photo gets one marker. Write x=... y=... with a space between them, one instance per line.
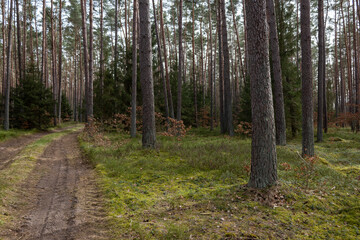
x=196 y=188
x=193 y=188
x=47 y=189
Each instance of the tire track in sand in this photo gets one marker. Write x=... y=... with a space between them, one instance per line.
x=65 y=203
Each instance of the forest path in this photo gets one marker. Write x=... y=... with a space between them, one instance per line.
x=60 y=197
x=11 y=148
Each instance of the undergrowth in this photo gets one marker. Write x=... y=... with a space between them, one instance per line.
x=195 y=188
x=12 y=133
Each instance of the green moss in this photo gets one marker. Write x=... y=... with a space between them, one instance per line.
x=195 y=187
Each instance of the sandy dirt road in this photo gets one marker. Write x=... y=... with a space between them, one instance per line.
x=60 y=199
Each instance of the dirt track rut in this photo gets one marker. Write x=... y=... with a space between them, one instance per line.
x=63 y=202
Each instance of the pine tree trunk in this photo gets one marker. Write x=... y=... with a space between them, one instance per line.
x=221 y=72
x=227 y=85
x=19 y=49
x=263 y=146
x=85 y=56
x=116 y=43
x=180 y=64
x=53 y=69
x=306 y=76
x=75 y=83
x=146 y=76
x=238 y=41
x=171 y=106
x=280 y=123
x=4 y=49
x=348 y=61
x=102 y=63
x=336 y=70
x=37 y=43
x=193 y=67
x=321 y=73
x=211 y=71
x=24 y=38
x=342 y=79
x=356 y=65
x=43 y=62
x=90 y=101
x=134 y=72
x=8 y=73
x=161 y=65
x=60 y=61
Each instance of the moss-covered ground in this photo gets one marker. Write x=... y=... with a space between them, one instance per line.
x=195 y=188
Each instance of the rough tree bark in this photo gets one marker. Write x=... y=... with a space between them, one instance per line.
x=146 y=76
x=263 y=147
x=211 y=72
x=85 y=54
x=90 y=101
x=221 y=71
x=321 y=72
x=53 y=69
x=134 y=73
x=229 y=128
x=102 y=63
x=19 y=49
x=180 y=64
x=43 y=61
x=306 y=78
x=280 y=122
x=60 y=61
x=193 y=67
x=336 y=70
x=8 y=73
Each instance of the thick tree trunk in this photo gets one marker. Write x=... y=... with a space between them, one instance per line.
x=356 y=65
x=321 y=72
x=8 y=73
x=85 y=56
x=221 y=72
x=280 y=123
x=146 y=76
x=227 y=85
x=90 y=101
x=134 y=73
x=306 y=76
x=263 y=147
x=180 y=64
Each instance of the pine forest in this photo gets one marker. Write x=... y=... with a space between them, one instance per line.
x=179 y=119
